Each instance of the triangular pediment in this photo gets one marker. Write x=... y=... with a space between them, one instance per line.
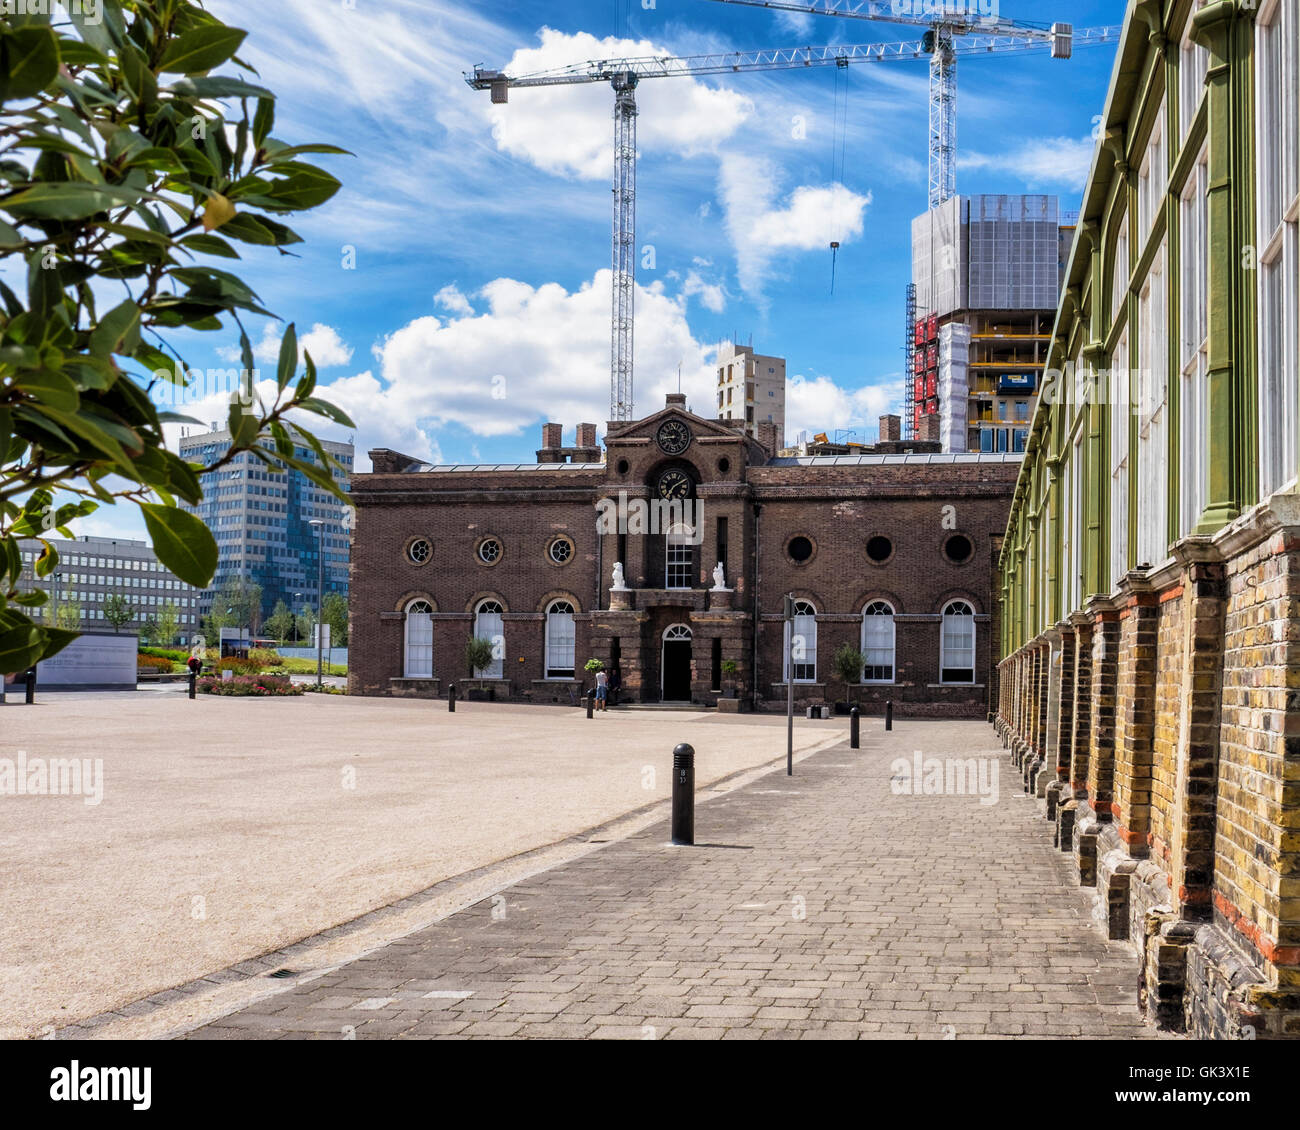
x=648 y=426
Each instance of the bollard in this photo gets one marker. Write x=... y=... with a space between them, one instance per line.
x=31 y=686
x=451 y=699
x=889 y=715
x=855 y=736
x=591 y=703
x=194 y=683
x=684 y=794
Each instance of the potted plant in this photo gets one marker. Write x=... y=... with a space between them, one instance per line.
x=730 y=668
x=848 y=664
x=479 y=656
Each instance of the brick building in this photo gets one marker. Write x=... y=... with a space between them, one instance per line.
x=1151 y=569
x=894 y=554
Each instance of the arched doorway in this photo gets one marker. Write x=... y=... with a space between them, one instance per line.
x=675 y=667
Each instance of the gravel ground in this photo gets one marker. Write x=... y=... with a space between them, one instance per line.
x=230 y=827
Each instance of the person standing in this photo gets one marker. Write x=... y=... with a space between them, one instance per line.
x=615 y=685
x=602 y=689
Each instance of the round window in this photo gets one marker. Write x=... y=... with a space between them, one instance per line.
x=624 y=466
x=724 y=465
x=489 y=551
x=958 y=549
x=419 y=551
x=880 y=549
x=800 y=549
x=560 y=551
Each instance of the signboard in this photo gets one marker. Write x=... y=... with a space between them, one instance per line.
x=92 y=661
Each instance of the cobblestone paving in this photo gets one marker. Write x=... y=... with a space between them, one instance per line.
x=818 y=906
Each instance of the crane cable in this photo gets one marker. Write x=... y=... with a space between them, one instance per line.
x=839 y=139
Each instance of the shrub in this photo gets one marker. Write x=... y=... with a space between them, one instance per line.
x=249 y=686
x=239 y=666
x=593 y=665
x=264 y=657
x=312 y=688
x=478 y=654
x=175 y=655
x=154 y=663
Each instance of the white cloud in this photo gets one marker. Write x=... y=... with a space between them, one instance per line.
x=450 y=298
x=760 y=227
x=1061 y=162
x=712 y=297
x=328 y=349
x=566 y=129
x=818 y=404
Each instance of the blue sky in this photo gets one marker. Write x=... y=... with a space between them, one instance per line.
x=479 y=302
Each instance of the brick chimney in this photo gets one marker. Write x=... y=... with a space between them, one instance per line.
x=676 y=400
x=552 y=444
x=929 y=430
x=891 y=428
x=586 y=435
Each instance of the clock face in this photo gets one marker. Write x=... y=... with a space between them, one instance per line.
x=674 y=437
x=674 y=484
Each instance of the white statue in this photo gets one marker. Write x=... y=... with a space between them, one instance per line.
x=719 y=578
x=620 y=584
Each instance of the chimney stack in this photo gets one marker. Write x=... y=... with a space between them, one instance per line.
x=891 y=429
x=929 y=432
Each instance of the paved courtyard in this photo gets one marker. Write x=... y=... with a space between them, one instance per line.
x=228 y=828
x=820 y=906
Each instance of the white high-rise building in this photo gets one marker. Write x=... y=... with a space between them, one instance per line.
x=751 y=387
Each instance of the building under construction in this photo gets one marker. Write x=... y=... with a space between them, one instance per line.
x=987 y=276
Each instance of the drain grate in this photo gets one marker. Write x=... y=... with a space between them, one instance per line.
x=284 y=974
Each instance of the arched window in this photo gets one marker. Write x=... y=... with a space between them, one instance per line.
x=560 y=640
x=803 y=651
x=418 y=661
x=957 y=644
x=878 y=642
x=488 y=626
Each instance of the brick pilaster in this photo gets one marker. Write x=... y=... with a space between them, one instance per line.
x=1101 y=726
x=1135 y=714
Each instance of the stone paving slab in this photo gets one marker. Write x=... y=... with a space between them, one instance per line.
x=827 y=905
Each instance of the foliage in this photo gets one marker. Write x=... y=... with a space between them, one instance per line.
x=334 y=611
x=121 y=180
x=118 y=611
x=264 y=658
x=239 y=666
x=281 y=621
x=324 y=688
x=176 y=655
x=478 y=653
x=304 y=623
x=236 y=604
x=167 y=624
x=154 y=663
x=250 y=686
x=847 y=665
x=593 y=665
x=67 y=618
x=729 y=668
x=296 y=666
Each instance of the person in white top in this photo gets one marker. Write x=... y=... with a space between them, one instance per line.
x=602 y=689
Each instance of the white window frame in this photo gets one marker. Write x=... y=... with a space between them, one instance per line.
x=957 y=642
x=879 y=642
x=1118 y=387
x=561 y=640
x=417 y=643
x=679 y=559
x=1077 y=564
x=1194 y=347
x=1153 y=417
x=1122 y=269
x=804 y=626
x=488 y=625
x=1153 y=178
x=1277 y=151
x=1193 y=66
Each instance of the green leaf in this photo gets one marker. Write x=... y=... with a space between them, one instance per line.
x=210 y=245
x=50 y=390
x=307 y=384
x=306 y=187
x=183 y=543
x=325 y=408
x=198 y=51
x=288 y=357
x=263 y=120
x=20 y=647
x=29 y=61
x=118 y=331
x=6 y=432
x=275 y=152
x=218 y=87
x=53 y=200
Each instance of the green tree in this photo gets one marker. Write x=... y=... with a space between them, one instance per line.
x=334 y=611
x=848 y=663
x=167 y=624
x=280 y=622
x=67 y=617
x=128 y=164
x=118 y=611
x=478 y=654
x=304 y=624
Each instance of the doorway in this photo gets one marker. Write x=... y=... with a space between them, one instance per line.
x=675 y=668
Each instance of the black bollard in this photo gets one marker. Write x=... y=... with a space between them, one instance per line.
x=194 y=683
x=591 y=703
x=855 y=736
x=684 y=794
x=889 y=715
x=451 y=699
x=31 y=686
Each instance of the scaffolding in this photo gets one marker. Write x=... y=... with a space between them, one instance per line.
x=909 y=352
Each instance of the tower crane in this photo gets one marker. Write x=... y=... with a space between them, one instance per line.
x=625 y=74
x=948 y=31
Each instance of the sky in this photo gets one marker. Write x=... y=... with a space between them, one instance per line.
x=456 y=292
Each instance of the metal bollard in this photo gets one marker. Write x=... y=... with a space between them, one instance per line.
x=31 y=686
x=889 y=715
x=194 y=683
x=591 y=703
x=451 y=699
x=684 y=794
x=855 y=736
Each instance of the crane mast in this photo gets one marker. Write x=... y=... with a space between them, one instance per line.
x=624 y=242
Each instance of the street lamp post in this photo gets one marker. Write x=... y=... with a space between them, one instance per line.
x=319 y=526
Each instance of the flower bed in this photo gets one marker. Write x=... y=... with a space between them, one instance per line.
x=250 y=686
